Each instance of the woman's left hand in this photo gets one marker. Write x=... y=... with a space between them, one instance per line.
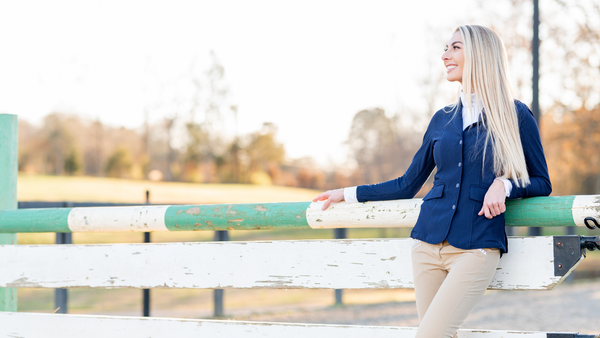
x=493 y=202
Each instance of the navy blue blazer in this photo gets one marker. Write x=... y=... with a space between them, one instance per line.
x=449 y=210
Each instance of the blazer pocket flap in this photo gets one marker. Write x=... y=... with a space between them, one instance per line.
x=477 y=193
x=436 y=192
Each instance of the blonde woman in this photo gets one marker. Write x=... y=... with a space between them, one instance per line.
x=486 y=148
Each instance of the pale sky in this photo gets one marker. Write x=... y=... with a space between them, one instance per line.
x=306 y=66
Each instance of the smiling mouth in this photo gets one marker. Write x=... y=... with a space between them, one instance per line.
x=450 y=68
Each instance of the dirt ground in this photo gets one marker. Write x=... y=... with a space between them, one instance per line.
x=568 y=308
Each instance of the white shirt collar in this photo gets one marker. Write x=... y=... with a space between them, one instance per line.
x=470 y=116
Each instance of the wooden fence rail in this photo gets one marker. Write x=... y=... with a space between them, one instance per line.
x=531 y=264
x=29 y=325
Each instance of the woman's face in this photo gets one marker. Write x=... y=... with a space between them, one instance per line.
x=453 y=58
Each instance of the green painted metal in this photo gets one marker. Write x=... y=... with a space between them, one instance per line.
x=254 y=216
x=8 y=192
x=540 y=211
x=35 y=220
x=536 y=211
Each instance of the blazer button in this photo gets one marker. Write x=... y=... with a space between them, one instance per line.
x=460 y=142
x=459 y=164
x=453 y=207
x=457 y=185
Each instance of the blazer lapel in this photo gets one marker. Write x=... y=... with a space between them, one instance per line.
x=457 y=121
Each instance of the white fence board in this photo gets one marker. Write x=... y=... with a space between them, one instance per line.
x=321 y=264
x=35 y=325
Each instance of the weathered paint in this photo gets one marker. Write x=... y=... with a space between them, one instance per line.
x=542 y=211
x=8 y=191
x=118 y=219
x=585 y=206
x=536 y=211
x=317 y=264
x=253 y=216
x=398 y=213
x=78 y=326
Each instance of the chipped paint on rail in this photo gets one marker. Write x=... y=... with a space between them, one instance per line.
x=540 y=211
x=118 y=219
x=536 y=211
x=325 y=264
x=237 y=216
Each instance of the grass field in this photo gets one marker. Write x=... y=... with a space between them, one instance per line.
x=100 y=189
x=196 y=303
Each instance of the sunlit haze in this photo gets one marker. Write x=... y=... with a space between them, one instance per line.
x=306 y=66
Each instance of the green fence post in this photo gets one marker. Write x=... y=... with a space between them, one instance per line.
x=8 y=192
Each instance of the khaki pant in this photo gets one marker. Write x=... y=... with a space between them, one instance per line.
x=449 y=282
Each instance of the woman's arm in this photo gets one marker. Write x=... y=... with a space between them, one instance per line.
x=534 y=157
x=409 y=184
x=402 y=187
x=494 y=201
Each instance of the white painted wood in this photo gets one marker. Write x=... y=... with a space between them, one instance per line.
x=397 y=213
x=530 y=260
x=321 y=264
x=118 y=219
x=35 y=325
x=585 y=206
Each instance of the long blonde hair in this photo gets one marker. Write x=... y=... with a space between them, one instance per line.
x=485 y=73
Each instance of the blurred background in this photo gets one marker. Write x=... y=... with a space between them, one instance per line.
x=299 y=93
x=264 y=101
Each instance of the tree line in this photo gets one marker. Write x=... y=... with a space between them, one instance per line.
x=187 y=145
x=67 y=144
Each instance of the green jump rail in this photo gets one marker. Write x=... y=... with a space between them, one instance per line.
x=536 y=211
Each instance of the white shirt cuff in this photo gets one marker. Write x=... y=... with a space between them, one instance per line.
x=507 y=185
x=350 y=195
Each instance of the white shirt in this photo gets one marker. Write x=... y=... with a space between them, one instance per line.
x=469 y=117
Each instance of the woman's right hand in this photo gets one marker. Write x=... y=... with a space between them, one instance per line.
x=329 y=197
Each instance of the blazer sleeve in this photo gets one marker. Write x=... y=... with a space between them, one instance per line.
x=409 y=184
x=534 y=157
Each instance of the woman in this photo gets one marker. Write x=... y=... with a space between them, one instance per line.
x=486 y=148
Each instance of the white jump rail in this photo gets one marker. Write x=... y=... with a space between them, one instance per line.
x=531 y=264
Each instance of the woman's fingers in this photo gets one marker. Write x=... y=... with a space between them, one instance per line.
x=492 y=209
x=321 y=197
x=329 y=197
x=495 y=209
x=489 y=212
x=493 y=202
x=482 y=211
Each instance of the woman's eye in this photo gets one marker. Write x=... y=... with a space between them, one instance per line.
x=456 y=47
